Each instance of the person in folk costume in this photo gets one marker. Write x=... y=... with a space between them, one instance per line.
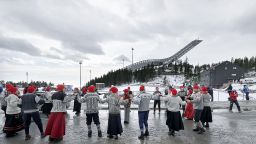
x=198 y=104
x=29 y=102
x=143 y=100
x=2 y=99
x=174 y=119
x=189 y=111
x=127 y=106
x=84 y=91
x=233 y=99
x=182 y=94
x=210 y=91
x=92 y=109
x=56 y=124
x=5 y=94
x=157 y=94
x=114 y=119
x=77 y=105
x=14 y=121
x=206 y=115
x=47 y=107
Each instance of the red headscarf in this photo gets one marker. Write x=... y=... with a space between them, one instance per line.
x=60 y=87
x=113 y=90
x=91 y=88
x=13 y=90
x=48 y=88
x=31 y=89
x=173 y=92
x=142 y=88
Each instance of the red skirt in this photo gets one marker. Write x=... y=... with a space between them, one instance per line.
x=56 y=125
x=189 y=111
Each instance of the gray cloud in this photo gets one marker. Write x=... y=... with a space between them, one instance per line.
x=21 y=45
x=122 y=58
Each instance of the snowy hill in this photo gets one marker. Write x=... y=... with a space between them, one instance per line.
x=177 y=80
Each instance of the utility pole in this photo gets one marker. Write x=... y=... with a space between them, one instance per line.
x=132 y=64
x=123 y=63
x=80 y=63
x=90 y=75
x=27 y=76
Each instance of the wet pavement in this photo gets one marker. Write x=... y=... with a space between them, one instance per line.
x=233 y=128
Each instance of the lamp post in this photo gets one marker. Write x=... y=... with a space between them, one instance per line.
x=123 y=62
x=90 y=75
x=132 y=63
x=80 y=63
x=27 y=76
x=132 y=55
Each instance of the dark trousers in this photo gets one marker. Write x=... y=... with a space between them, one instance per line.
x=94 y=117
x=36 y=118
x=157 y=102
x=247 y=96
x=4 y=109
x=231 y=105
x=143 y=119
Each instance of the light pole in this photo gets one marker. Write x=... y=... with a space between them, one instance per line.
x=132 y=63
x=80 y=63
x=27 y=76
x=90 y=75
x=123 y=62
x=132 y=55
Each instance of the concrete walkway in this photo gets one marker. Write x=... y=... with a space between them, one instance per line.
x=233 y=128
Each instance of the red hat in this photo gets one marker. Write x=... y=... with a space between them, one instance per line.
x=91 y=88
x=142 y=88
x=84 y=90
x=31 y=89
x=12 y=90
x=126 y=90
x=8 y=86
x=204 y=89
x=196 y=87
x=190 y=91
x=48 y=88
x=182 y=87
x=113 y=89
x=174 y=91
x=60 y=87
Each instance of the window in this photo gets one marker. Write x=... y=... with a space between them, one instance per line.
x=234 y=68
x=233 y=74
x=226 y=68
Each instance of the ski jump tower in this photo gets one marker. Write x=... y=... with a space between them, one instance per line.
x=165 y=61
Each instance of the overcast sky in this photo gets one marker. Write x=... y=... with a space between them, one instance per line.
x=47 y=38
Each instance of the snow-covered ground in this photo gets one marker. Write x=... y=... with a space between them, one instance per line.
x=177 y=80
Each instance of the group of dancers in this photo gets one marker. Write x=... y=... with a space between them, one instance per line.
x=20 y=109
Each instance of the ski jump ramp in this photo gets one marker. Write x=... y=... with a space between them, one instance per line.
x=165 y=61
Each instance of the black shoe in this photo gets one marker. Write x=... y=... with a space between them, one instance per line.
x=196 y=129
x=171 y=132
x=126 y=122
x=116 y=137
x=90 y=133
x=141 y=137
x=51 y=139
x=146 y=133
x=110 y=136
x=28 y=137
x=201 y=131
x=11 y=135
x=207 y=125
x=99 y=134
